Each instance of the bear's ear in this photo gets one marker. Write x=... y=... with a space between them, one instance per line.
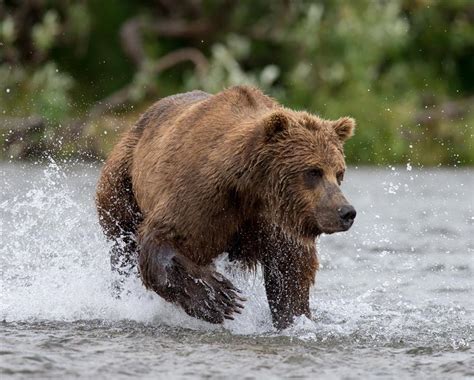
x=274 y=124
x=344 y=127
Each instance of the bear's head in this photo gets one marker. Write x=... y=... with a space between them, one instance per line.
x=301 y=165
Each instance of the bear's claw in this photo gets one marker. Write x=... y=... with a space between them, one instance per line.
x=203 y=293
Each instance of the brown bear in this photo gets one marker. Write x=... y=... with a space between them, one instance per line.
x=236 y=172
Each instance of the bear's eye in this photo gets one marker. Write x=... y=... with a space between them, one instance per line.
x=312 y=176
x=339 y=177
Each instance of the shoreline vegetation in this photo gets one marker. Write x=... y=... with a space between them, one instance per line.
x=73 y=76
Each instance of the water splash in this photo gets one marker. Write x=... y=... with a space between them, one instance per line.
x=56 y=266
x=375 y=286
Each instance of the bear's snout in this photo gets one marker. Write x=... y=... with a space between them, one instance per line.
x=347 y=215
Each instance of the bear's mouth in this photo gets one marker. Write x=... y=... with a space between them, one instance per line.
x=311 y=229
x=338 y=227
x=314 y=227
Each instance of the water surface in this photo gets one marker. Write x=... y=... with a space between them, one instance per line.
x=393 y=298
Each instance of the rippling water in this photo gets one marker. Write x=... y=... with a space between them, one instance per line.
x=393 y=298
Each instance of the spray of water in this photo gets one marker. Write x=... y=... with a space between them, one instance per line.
x=55 y=266
x=55 y=263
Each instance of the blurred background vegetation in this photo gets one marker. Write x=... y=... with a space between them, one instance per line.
x=74 y=74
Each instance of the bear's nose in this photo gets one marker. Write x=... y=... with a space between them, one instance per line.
x=347 y=214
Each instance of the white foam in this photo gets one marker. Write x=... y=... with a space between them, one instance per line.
x=55 y=264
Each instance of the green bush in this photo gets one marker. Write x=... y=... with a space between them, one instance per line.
x=397 y=66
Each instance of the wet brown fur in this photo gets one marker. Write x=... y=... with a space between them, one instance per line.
x=202 y=174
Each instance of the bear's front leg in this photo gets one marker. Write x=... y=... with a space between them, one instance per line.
x=289 y=271
x=200 y=291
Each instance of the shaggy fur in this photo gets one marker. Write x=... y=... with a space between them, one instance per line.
x=234 y=172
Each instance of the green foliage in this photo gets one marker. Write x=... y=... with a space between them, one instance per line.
x=43 y=92
x=7 y=31
x=225 y=69
x=390 y=64
x=45 y=33
x=50 y=89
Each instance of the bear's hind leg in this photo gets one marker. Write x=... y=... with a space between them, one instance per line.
x=119 y=214
x=123 y=261
x=200 y=291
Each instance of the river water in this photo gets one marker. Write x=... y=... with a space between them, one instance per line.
x=393 y=298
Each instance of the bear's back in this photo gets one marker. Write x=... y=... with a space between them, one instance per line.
x=165 y=108
x=189 y=143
